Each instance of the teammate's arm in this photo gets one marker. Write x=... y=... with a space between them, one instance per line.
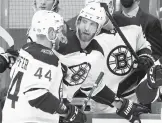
x=51 y=104
x=150 y=84
x=144 y=52
x=125 y=108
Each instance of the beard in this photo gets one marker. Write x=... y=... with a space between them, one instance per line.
x=85 y=37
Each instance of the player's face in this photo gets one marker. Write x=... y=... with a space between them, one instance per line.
x=44 y=4
x=86 y=29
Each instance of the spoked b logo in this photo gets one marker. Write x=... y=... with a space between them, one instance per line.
x=120 y=61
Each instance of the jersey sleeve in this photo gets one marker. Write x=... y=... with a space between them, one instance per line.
x=143 y=90
x=141 y=40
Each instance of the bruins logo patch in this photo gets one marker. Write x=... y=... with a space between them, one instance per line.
x=77 y=74
x=120 y=61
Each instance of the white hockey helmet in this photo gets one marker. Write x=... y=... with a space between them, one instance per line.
x=108 y=2
x=93 y=12
x=44 y=19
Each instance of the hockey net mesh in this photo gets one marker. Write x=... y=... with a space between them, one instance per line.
x=20 y=11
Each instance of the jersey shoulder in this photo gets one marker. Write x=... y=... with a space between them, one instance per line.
x=94 y=46
x=41 y=53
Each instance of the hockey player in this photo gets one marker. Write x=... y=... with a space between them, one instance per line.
x=42 y=5
x=151 y=84
x=119 y=61
x=52 y=5
x=11 y=53
x=85 y=60
x=34 y=92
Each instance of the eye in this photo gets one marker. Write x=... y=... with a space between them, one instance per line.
x=93 y=24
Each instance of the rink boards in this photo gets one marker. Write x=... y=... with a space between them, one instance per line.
x=112 y=118
x=154 y=117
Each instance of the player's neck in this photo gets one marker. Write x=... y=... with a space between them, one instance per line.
x=44 y=42
x=84 y=44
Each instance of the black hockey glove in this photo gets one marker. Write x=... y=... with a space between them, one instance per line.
x=7 y=59
x=10 y=56
x=3 y=62
x=145 y=62
x=131 y=111
x=75 y=115
x=154 y=76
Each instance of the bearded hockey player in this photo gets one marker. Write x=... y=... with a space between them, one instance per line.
x=33 y=95
x=118 y=62
x=82 y=56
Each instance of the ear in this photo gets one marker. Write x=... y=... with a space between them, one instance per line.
x=51 y=33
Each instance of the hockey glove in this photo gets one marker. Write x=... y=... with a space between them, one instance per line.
x=75 y=115
x=3 y=63
x=145 y=62
x=154 y=76
x=131 y=111
x=10 y=56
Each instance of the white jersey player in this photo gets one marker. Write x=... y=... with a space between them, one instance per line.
x=119 y=61
x=84 y=58
x=101 y=90
x=52 y=5
x=82 y=54
x=34 y=93
x=42 y=5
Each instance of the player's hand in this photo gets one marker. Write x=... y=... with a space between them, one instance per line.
x=145 y=62
x=131 y=111
x=75 y=115
x=12 y=55
x=154 y=76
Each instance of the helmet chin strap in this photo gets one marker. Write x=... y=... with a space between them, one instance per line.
x=53 y=41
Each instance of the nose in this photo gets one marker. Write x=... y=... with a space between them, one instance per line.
x=43 y=1
x=87 y=26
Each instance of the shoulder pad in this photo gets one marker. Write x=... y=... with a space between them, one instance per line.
x=41 y=53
